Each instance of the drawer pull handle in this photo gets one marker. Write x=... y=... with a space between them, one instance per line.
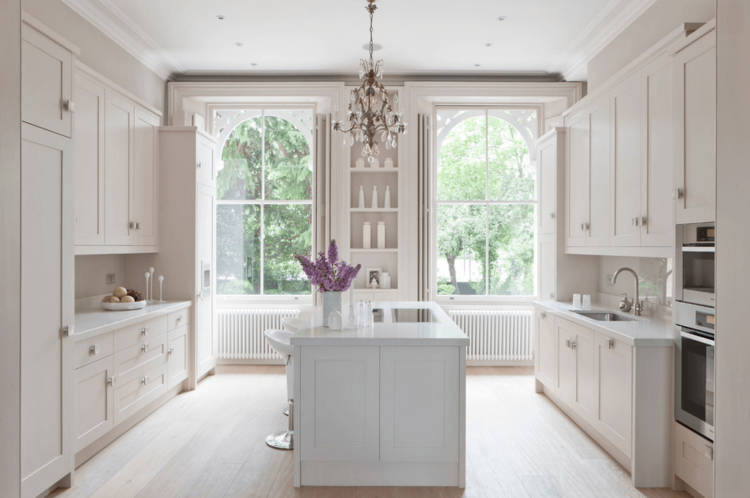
x=567 y=343
x=144 y=346
x=610 y=343
x=543 y=316
x=572 y=344
x=171 y=351
x=179 y=318
x=200 y=165
x=144 y=380
x=94 y=349
x=710 y=454
x=110 y=381
x=144 y=331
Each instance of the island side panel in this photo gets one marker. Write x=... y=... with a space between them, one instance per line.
x=297 y=415
x=462 y=417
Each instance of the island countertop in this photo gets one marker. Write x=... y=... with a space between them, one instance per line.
x=404 y=323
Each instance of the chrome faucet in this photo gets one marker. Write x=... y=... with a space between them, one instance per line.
x=637 y=303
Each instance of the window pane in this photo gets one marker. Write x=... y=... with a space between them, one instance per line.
x=461 y=167
x=237 y=249
x=288 y=155
x=242 y=156
x=511 y=172
x=511 y=253
x=461 y=249
x=288 y=231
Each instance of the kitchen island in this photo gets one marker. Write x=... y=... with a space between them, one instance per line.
x=381 y=406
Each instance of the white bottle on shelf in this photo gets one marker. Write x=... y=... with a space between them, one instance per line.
x=385 y=280
x=387 y=200
x=360 y=163
x=375 y=162
x=389 y=163
x=361 y=197
x=366 y=235
x=375 y=197
x=381 y=234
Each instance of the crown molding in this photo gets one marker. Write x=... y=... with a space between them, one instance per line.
x=608 y=25
x=119 y=28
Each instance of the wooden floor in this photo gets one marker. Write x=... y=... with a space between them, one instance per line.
x=210 y=443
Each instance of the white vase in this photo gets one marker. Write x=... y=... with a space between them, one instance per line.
x=361 y=197
x=366 y=235
x=389 y=163
x=387 y=200
x=360 y=163
x=375 y=197
x=381 y=234
x=331 y=302
x=385 y=280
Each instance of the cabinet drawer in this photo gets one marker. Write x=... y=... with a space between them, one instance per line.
x=140 y=332
x=178 y=355
x=138 y=393
x=94 y=414
x=93 y=349
x=178 y=318
x=135 y=361
x=694 y=460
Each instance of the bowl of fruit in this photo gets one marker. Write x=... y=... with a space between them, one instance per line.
x=123 y=299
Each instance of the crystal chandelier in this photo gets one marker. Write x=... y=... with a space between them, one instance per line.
x=370 y=112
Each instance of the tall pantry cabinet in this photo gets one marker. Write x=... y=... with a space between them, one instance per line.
x=47 y=267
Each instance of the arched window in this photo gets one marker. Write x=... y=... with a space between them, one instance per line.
x=486 y=201
x=264 y=192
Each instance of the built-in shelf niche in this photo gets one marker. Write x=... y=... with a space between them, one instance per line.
x=391 y=229
x=386 y=260
x=383 y=179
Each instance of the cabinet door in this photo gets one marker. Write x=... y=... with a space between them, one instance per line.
x=695 y=134
x=178 y=355
x=546 y=349
x=597 y=234
x=419 y=404
x=626 y=163
x=118 y=168
x=146 y=178
x=547 y=166
x=205 y=358
x=89 y=162
x=577 y=180
x=47 y=76
x=613 y=365
x=340 y=404
x=657 y=164
x=548 y=268
x=46 y=270
x=583 y=346
x=206 y=166
x=565 y=335
x=94 y=408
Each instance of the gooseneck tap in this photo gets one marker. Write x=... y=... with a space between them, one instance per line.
x=637 y=304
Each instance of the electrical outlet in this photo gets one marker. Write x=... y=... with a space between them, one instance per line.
x=111 y=278
x=609 y=279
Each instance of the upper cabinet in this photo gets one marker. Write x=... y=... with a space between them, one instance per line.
x=117 y=169
x=695 y=130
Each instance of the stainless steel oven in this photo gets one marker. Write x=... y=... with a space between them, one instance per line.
x=697 y=262
x=694 y=365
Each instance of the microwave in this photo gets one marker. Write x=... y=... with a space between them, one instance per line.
x=696 y=254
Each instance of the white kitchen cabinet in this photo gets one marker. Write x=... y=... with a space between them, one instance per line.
x=205 y=340
x=340 y=404
x=47 y=276
x=46 y=75
x=89 y=161
x=419 y=404
x=547 y=162
x=575 y=366
x=94 y=410
x=565 y=334
x=145 y=203
x=545 y=357
x=178 y=355
x=613 y=366
x=694 y=460
x=139 y=392
x=695 y=131
x=547 y=254
x=577 y=180
x=119 y=228
x=626 y=163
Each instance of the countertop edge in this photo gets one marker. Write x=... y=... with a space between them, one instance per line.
x=363 y=341
x=93 y=332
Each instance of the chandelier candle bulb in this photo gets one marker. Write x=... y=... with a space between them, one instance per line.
x=374 y=197
x=387 y=200
x=381 y=234
x=366 y=235
x=361 y=197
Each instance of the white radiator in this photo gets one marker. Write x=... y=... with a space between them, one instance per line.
x=241 y=333
x=498 y=337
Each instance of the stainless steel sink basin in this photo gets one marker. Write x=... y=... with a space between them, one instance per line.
x=604 y=316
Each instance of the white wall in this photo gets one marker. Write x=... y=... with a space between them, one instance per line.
x=655 y=284
x=657 y=22
x=732 y=422
x=10 y=248
x=99 y=52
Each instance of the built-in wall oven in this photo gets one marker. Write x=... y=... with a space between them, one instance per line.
x=697 y=260
x=694 y=365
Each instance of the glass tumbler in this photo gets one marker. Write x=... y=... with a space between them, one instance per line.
x=586 y=302
x=577 y=301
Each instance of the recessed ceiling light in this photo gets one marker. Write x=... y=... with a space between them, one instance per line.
x=477 y=65
x=488 y=44
x=375 y=46
x=253 y=63
x=220 y=17
x=501 y=18
x=239 y=44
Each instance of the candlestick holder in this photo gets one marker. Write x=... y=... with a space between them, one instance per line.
x=150 y=298
x=161 y=283
x=146 y=290
x=352 y=320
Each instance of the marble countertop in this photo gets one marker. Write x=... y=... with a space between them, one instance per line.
x=95 y=321
x=443 y=332
x=642 y=331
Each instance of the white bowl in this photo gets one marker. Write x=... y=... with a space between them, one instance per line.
x=124 y=306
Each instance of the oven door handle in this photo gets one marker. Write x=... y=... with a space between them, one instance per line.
x=697 y=338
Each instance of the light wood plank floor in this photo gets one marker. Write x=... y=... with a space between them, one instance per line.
x=209 y=443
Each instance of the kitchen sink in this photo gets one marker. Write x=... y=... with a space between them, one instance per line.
x=604 y=316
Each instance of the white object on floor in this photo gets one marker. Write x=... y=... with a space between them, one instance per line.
x=279 y=340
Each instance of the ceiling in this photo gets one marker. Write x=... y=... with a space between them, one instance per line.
x=326 y=37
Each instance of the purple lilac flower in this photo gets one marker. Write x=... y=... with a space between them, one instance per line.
x=329 y=274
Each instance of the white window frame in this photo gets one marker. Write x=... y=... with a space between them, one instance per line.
x=268 y=299
x=473 y=298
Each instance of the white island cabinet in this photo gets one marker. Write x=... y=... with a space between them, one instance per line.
x=382 y=406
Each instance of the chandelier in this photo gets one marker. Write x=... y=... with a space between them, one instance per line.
x=370 y=112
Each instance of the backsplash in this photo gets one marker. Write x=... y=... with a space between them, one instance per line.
x=656 y=283
x=91 y=274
